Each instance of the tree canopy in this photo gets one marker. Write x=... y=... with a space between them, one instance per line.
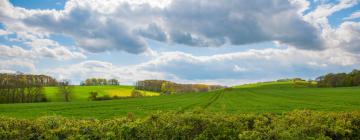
x=339 y=79
x=22 y=88
x=171 y=87
x=99 y=82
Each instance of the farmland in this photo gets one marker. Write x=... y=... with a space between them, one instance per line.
x=81 y=93
x=274 y=97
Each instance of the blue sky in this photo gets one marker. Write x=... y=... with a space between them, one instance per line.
x=218 y=42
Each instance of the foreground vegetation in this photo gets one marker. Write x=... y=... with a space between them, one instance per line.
x=252 y=111
x=194 y=125
x=276 y=97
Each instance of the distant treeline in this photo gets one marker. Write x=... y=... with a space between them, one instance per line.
x=23 y=88
x=291 y=79
x=339 y=79
x=171 y=87
x=99 y=82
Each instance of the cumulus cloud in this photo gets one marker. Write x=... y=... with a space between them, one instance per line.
x=243 y=22
x=319 y=16
x=226 y=69
x=15 y=51
x=252 y=64
x=59 y=53
x=17 y=65
x=238 y=68
x=354 y=15
x=311 y=46
x=99 y=26
x=3 y=32
x=92 y=68
x=346 y=36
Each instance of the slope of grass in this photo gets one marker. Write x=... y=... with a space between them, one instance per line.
x=81 y=93
x=274 y=97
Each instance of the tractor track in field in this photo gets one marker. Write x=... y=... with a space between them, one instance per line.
x=213 y=99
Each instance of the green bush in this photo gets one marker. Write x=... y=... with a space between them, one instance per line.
x=195 y=125
x=105 y=97
x=93 y=95
x=136 y=93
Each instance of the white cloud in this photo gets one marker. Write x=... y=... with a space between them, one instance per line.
x=317 y=64
x=226 y=69
x=99 y=26
x=354 y=15
x=88 y=69
x=318 y=17
x=240 y=69
x=4 y=32
x=346 y=36
x=302 y=5
x=17 y=64
x=14 y=51
x=35 y=40
x=58 y=53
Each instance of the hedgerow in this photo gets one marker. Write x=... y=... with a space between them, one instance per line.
x=302 y=124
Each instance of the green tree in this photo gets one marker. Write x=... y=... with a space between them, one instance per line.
x=93 y=95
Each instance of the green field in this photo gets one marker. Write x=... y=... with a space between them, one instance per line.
x=274 y=97
x=81 y=93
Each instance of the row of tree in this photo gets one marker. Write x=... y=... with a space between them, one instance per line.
x=99 y=82
x=23 y=88
x=339 y=79
x=171 y=87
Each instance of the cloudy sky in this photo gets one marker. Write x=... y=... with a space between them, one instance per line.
x=225 y=42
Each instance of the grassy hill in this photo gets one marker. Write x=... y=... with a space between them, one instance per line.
x=81 y=93
x=274 y=97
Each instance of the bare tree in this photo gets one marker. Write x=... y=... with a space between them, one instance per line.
x=65 y=89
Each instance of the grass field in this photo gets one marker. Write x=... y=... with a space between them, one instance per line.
x=81 y=93
x=274 y=97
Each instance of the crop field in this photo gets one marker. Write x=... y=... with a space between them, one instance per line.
x=276 y=97
x=81 y=93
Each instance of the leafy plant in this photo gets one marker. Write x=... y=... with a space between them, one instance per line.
x=300 y=124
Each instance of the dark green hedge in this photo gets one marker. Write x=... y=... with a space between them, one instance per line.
x=291 y=125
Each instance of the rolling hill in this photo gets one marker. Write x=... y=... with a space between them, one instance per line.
x=276 y=97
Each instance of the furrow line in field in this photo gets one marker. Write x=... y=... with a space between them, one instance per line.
x=213 y=99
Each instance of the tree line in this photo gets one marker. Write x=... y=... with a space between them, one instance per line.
x=168 y=87
x=99 y=82
x=339 y=79
x=24 y=88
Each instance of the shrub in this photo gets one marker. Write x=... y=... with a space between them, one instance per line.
x=195 y=125
x=136 y=93
x=93 y=95
x=105 y=97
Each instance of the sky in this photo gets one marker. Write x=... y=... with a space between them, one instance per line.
x=226 y=42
